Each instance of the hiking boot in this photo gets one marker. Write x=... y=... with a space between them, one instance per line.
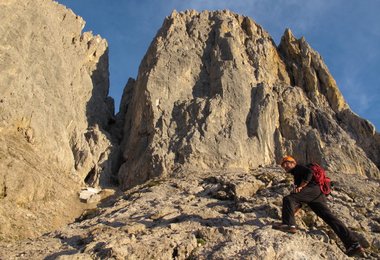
x=285 y=228
x=355 y=250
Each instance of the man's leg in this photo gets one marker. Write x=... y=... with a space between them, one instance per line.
x=293 y=201
x=289 y=205
x=323 y=211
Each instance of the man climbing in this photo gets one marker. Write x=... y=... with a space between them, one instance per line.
x=306 y=190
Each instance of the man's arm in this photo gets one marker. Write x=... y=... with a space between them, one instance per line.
x=307 y=177
x=301 y=186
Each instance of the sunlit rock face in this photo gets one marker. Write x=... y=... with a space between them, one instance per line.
x=215 y=92
x=54 y=114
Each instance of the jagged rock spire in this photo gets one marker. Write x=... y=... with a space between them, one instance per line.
x=307 y=70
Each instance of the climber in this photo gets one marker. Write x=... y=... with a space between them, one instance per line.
x=306 y=190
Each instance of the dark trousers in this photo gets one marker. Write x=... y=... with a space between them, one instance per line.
x=316 y=200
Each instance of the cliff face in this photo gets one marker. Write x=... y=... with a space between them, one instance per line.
x=54 y=115
x=215 y=92
x=307 y=70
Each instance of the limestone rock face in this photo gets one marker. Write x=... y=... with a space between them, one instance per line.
x=307 y=70
x=215 y=92
x=54 y=113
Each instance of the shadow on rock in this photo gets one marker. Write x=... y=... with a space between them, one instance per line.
x=62 y=253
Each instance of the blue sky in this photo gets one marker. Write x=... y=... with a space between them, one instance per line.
x=345 y=32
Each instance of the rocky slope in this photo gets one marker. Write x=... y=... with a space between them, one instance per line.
x=211 y=215
x=215 y=92
x=54 y=113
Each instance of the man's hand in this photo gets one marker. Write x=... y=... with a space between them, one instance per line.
x=297 y=189
x=300 y=187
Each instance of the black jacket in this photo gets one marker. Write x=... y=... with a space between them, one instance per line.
x=302 y=173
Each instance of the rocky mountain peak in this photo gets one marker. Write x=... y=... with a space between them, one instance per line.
x=309 y=71
x=215 y=92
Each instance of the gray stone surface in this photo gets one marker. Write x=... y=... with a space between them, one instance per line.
x=215 y=92
x=185 y=218
x=54 y=113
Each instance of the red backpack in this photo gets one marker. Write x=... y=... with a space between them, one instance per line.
x=319 y=176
